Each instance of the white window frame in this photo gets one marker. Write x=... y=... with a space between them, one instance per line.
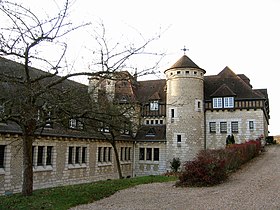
x=212 y=127
x=217 y=103
x=154 y=105
x=221 y=126
x=228 y=102
x=234 y=126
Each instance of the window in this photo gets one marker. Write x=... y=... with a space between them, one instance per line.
x=228 y=102
x=40 y=155
x=179 y=138
x=234 y=127
x=161 y=122
x=156 y=154
x=2 y=155
x=104 y=154
x=49 y=155
x=109 y=154
x=70 y=155
x=77 y=155
x=178 y=72
x=84 y=154
x=141 y=153
x=217 y=103
x=122 y=153
x=154 y=105
x=147 y=122
x=75 y=124
x=223 y=127
x=212 y=126
x=99 y=154
x=2 y=108
x=187 y=72
x=156 y=122
x=149 y=154
x=251 y=125
x=172 y=113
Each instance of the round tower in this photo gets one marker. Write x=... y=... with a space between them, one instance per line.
x=185 y=112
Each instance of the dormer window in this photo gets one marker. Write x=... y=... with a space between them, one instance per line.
x=228 y=102
x=225 y=102
x=217 y=103
x=75 y=124
x=154 y=105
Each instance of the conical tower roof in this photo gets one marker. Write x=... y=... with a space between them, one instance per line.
x=185 y=62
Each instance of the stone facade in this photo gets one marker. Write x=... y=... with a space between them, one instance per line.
x=90 y=166
x=172 y=118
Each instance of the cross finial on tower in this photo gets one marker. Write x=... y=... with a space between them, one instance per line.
x=185 y=49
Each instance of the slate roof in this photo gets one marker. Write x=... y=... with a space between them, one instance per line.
x=185 y=62
x=16 y=70
x=227 y=83
x=151 y=90
x=151 y=133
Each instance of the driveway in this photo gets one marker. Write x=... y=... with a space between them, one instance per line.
x=255 y=186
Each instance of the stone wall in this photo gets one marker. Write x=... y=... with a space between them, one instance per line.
x=217 y=139
x=150 y=167
x=86 y=168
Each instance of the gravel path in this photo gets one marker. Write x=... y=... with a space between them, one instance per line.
x=255 y=186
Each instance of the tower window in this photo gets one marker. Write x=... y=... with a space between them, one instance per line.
x=179 y=138
x=251 y=125
x=178 y=72
x=187 y=72
x=172 y=113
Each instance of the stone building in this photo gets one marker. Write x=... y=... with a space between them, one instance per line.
x=175 y=118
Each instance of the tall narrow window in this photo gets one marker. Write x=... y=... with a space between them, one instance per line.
x=179 y=138
x=99 y=154
x=84 y=154
x=40 y=155
x=77 y=155
x=49 y=155
x=156 y=154
x=149 y=154
x=104 y=154
x=141 y=153
x=172 y=113
x=251 y=125
x=234 y=127
x=212 y=126
x=122 y=155
x=2 y=155
x=70 y=155
x=223 y=127
x=109 y=154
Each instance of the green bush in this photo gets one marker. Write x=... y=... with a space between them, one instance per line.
x=175 y=164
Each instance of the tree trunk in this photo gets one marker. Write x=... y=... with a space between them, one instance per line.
x=117 y=160
x=27 y=184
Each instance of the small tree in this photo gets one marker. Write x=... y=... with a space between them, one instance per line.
x=175 y=164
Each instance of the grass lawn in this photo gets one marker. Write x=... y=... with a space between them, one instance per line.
x=69 y=196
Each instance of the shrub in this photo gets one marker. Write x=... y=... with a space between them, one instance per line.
x=206 y=169
x=175 y=164
x=211 y=167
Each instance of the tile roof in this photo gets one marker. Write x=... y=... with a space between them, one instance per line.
x=227 y=83
x=185 y=62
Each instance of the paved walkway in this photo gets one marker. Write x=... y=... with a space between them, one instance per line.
x=255 y=186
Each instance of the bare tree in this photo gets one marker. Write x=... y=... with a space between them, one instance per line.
x=34 y=98
x=31 y=92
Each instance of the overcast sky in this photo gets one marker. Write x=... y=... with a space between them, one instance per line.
x=241 y=34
